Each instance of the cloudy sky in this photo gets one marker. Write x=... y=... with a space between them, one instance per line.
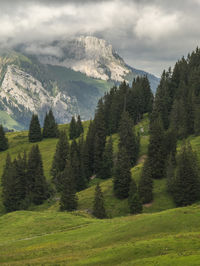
x=148 y=34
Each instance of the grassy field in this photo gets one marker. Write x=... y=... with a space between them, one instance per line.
x=51 y=238
x=162 y=235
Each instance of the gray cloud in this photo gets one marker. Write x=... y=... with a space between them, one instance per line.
x=150 y=35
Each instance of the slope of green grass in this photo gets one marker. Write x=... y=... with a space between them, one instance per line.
x=49 y=238
x=8 y=122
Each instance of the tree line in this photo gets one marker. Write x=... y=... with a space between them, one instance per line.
x=175 y=116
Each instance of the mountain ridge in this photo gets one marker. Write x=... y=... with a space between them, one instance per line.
x=33 y=81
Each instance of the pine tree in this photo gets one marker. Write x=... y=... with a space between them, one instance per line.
x=7 y=184
x=122 y=176
x=128 y=138
x=68 y=200
x=59 y=161
x=100 y=137
x=3 y=140
x=37 y=186
x=107 y=161
x=186 y=184
x=34 y=134
x=145 y=187
x=98 y=205
x=50 y=129
x=72 y=128
x=88 y=151
x=156 y=150
x=75 y=159
x=79 y=127
x=134 y=201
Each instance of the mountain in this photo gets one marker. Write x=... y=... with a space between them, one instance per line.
x=90 y=55
x=67 y=76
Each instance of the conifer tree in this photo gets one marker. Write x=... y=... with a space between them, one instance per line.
x=88 y=151
x=134 y=201
x=3 y=140
x=100 y=137
x=50 y=129
x=156 y=150
x=145 y=187
x=107 y=161
x=186 y=182
x=76 y=163
x=68 y=200
x=37 y=186
x=122 y=176
x=72 y=128
x=59 y=161
x=98 y=205
x=7 y=185
x=34 y=134
x=128 y=138
x=79 y=127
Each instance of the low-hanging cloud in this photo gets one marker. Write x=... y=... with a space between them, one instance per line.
x=150 y=35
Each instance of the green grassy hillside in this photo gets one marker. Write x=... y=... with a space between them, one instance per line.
x=162 y=235
x=49 y=238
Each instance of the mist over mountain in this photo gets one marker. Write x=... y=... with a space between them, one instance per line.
x=68 y=76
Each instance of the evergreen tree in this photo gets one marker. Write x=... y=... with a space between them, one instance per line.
x=50 y=129
x=34 y=134
x=88 y=151
x=145 y=187
x=107 y=161
x=157 y=150
x=79 y=127
x=36 y=182
x=7 y=185
x=3 y=140
x=59 y=161
x=68 y=200
x=72 y=128
x=186 y=184
x=134 y=202
x=100 y=137
x=122 y=176
x=98 y=205
x=75 y=159
x=128 y=138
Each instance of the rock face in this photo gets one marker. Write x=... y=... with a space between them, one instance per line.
x=68 y=76
x=91 y=56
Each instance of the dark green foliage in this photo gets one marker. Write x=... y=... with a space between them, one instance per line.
x=145 y=187
x=79 y=127
x=68 y=200
x=24 y=183
x=170 y=172
x=60 y=157
x=3 y=140
x=50 y=129
x=98 y=205
x=122 y=176
x=100 y=137
x=37 y=186
x=128 y=138
x=88 y=151
x=77 y=166
x=14 y=183
x=134 y=201
x=157 y=150
x=177 y=99
x=107 y=161
x=34 y=134
x=186 y=181
x=72 y=128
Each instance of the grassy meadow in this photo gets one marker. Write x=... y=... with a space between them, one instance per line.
x=42 y=235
